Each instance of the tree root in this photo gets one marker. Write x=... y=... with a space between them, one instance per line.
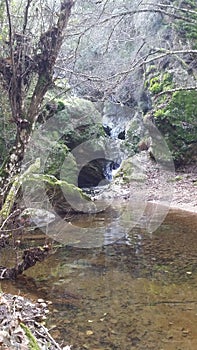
x=30 y=258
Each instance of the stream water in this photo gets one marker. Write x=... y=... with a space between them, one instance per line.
x=136 y=292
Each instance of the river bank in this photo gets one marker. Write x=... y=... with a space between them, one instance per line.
x=22 y=324
x=184 y=188
x=176 y=189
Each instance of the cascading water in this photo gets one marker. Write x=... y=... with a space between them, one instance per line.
x=115 y=120
x=110 y=150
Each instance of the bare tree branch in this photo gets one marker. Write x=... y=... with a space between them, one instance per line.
x=9 y=23
x=110 y=35
x=26 y=15
x=171 y=91
x=154 y=10
x=172 y=7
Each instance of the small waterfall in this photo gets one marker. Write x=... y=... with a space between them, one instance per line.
x=111 y=169
x=115 y=120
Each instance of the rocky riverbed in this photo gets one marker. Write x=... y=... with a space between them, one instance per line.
x=22 y=324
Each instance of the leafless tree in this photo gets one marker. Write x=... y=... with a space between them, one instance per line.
x=111 y=40
x=33 y=33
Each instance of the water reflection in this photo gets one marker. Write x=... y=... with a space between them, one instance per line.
x=139 y=292
x=109 y=226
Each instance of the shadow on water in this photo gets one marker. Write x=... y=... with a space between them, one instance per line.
x=136 y=292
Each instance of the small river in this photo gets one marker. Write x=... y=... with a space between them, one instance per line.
x=137 y=290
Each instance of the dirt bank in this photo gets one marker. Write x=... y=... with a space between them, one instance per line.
x=183 y=186
x=150 y=182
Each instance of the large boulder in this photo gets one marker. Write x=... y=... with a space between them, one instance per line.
x=79 y=120
x=72 y=142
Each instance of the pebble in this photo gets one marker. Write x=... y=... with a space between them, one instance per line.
x=185 y=333
x=46 y=311
x=40 y=301
x=19 y=297
x=43 y=304
x=89 y=332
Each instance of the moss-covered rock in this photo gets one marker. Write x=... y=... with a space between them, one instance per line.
x=71 y=123
x=159 y=81
x=79 y=121
x=177 y=121
x=67 y=198
x=45 y=191
x=132 y=169
x=61 y=163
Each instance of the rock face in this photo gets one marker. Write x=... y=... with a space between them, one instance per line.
x=94 y=142
x=159 y=30
x=174 y=114
x=143 y=95
x=115 y=119
x=93 y=173
x=68 y=199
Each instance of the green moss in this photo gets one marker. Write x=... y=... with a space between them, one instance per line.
x=130 y=172
x=77 y=118
x=188 y=31
x=33 y=344
x=177 y=122
x=159 y=83
x=176 y=178
x=70 y=189
x=12 y=194
x=160 y=113
x=60 y=105
x=59 y=159
x=167 y=80
x=155 y=85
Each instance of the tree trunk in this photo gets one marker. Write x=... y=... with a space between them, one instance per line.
x=12 y=164
x=17 y=78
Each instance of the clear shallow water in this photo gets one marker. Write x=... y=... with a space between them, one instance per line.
x=139 y=292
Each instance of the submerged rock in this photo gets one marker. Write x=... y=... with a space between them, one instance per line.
x=37 y=217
